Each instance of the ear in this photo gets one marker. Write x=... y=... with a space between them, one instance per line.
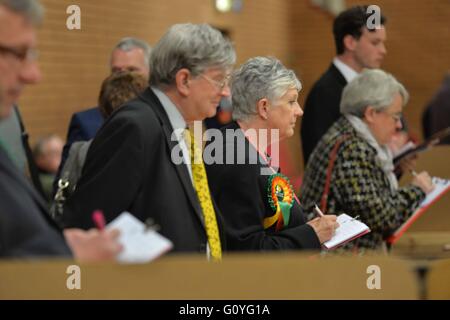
x=350 y=42
x=182 y=79
x=370 y=114
x=262 y=108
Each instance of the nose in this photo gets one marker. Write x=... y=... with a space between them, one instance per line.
x=298 y=111
x=226 y=91
x=30 y=72
x=398 y=124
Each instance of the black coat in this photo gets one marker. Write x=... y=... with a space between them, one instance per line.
x=129 y=168
x=26 y=229
x=241 y=193
x=321 y=109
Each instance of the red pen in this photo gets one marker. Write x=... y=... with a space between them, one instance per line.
x=99 y=219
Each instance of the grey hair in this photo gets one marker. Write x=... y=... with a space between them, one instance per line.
x=129 y=43
x=195 y=47
x=32 y=10
x=372 y=87
x=258 y=78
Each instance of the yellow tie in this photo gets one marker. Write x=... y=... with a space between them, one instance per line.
x=204 y=196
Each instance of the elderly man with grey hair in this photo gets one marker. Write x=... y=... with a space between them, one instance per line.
x=258 y=204
x=129 y=166
x=129 y=54
x=351 y=169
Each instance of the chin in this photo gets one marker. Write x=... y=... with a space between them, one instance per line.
x=212 y=112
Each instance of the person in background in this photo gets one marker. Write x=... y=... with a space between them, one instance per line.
x=116 y=89
x=436 y=116
x=358 y=46
x=129 y=54
x=47 y=155
x=351 y=170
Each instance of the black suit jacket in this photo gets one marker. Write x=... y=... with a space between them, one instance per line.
x=26 y=229
x=321 y=109
x=129 y=168
x=241 y=193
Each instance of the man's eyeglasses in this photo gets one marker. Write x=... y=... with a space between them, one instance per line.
x=219 y=84
x=20 y=54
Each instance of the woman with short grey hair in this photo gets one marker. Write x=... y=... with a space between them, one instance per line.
x=260 y=77
x=351 y=169
x=258 y=204
x=374 y=88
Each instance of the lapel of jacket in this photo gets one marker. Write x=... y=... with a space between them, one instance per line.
x=10 y=169
x=154 y=103
x=337 y=75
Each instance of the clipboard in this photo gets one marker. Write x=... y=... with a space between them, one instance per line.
x=442 y=186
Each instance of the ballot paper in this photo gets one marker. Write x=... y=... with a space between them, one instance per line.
x=140 y=243
x=348 y=230
x=441 y=186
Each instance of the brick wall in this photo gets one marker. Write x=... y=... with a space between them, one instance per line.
x=75 y=62
x=418 y=38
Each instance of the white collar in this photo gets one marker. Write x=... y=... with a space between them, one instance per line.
x=176 y=119
x=348 y=73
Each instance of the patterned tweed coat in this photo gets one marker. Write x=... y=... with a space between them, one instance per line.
x=358 y=186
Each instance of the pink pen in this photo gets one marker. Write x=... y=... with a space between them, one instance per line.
x=99 y=219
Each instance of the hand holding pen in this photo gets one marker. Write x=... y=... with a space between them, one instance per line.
x=324 y=225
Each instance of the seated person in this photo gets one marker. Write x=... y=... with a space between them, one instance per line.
x=258 y=204
x=116 y=89
x=47 y=156
x=351 y=169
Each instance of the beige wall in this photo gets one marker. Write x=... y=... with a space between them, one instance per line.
x=418 y=45
x=75 y=62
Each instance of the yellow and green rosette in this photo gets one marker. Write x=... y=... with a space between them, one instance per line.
x=281 y=198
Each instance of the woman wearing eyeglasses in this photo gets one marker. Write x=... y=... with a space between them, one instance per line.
x=258 y=205
x=351 y=169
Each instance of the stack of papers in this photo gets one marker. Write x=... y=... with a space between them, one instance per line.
x=140 y=244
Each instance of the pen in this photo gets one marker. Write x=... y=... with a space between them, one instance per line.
x=99 y=219
x=320 y=213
